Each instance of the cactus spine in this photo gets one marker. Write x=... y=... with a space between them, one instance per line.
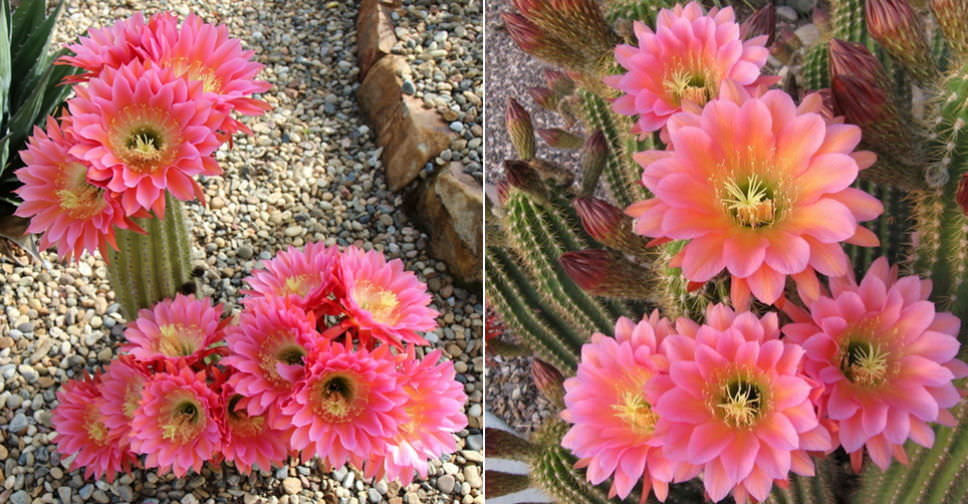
x=149 y=267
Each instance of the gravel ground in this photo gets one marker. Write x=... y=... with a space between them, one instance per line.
x=310 y=172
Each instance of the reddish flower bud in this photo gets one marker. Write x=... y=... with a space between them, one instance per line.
x=520 y=129
x=593 y=159
x=544 y=97
x=855 y=60
x=578 y=24
x=549 y=381
x=962 y=195
x=895 y=25
x=498 y=483
x=609 y=226
x=951 y=16
x=533 y=41
x=762 y=22
x=560 y=139
x=559 y=82
x=608 y=274
x=522 y=176
x=503 y=189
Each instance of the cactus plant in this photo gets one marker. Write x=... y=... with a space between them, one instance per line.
x=871 y=64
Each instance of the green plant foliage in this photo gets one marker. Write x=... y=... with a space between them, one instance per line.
x=30 y=84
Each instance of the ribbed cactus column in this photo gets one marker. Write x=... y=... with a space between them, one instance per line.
x=153 y=266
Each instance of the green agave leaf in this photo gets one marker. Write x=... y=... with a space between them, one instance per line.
x=31 y=59
x=29 y=14
x=27 y=114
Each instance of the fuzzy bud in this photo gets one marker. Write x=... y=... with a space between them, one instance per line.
x=593 y=159
x=560 y=139
x=503 y=444
x=951 y=16
x=579 y=24
x=544 y=97
x=533 y=41
x=522 y=176
x=497 y=483
x=549 y=381
x=608 y=274
x=609 y=226
x=855 y=60
x=520 y=129
x=762 y=22
x=503 y=190
x=895 y=25
x=559 y=82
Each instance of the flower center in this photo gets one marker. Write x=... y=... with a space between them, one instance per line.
x=184 y=422
x=636 y=412
x=195 y=71
x=240 y=421
x=750 y=202
x=381 y=303
x=336 y=396
x=132 y=396
x=177 y=340
x=285 y=351
x=80 y=199
x=690 y=86
x=145 y=143
x=740 y=403
x=864 y=363
x=299 y=285
x=96 y=429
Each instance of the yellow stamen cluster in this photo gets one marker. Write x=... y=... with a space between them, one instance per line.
x=336 y=397
x=379 y=302
x=864 y=363
x=176 y=340
x=274 y=351
x=79 y=199
x=683 y=85
x=636 y=412
x=740 y=403
x=96 y=429
x=750 y=202
x=183 y=423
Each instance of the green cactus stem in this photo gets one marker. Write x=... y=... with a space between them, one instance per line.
x=621 y=173
x=147 y=268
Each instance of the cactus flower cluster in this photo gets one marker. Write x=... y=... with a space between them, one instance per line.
x=804 y=251
x=154 y=102
x=324 y=361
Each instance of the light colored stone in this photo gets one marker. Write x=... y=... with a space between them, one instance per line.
x=375 y=37
x=292 y=486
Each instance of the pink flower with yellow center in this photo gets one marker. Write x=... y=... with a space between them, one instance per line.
x=72 y=213
x=205 y=53
x=268 y=350
x=112 y=47
x=614 y=422
x=760 y=187
x=685 y=60
x=349 y=406
x=249 y=440
x=305 y=277
x=434 y=409
x=734 y=401
x=175 y=423
x=886 y=358
x=178 y=328
x=81 y=431
x=120 y=390
x=145 y=130
x=383 y=300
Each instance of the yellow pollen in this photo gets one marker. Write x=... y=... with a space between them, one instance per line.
x=96 y=429
x=336 y=398
x=183 y=423
x=132 y=396
x=81 y=202
x=242 y=424
x=864 y=363
x=750 y=203
x=195 y=71
x=636 y=412
x=298 y=284
x=740 y=403
x=145 y=145
x=381 y=303
x=274 y=352
x=179 y=341
x=689 y=86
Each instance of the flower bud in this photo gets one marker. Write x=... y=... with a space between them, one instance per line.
x=762 y=22
x=608 y=274
x=895 y=25
x=951 y=16
x=559 y=82
x=503 y=444
x=522 y=176
x=855 y=60
x=503 y=189
x=533 y=41
x=593 y=159
x=549 y=381
x=579 y=24
x=559 y=138
x=544 y=97
x=962 y=195
x=609 y=226
x=498 y=483
x=520 y=129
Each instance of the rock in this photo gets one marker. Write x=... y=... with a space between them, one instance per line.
x=446 y=483
x=450 y=208
x=409 y=134
x=19 y=497
x=375 y=37
x=19 y=424
x=292 y=486
x=475 y=442
x=472 y=476
x=217 y=203
x=64 y=493
x=244 y=252
x=786 y=13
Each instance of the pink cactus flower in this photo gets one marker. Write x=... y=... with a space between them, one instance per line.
x=81 y=431
x=180 y=328
x=614 y=423
x=686 y=59
x=887 y=359
x=175 y=423
x=249 y=439
x=760 y=187
x=307 y=277
x=111 y=47
x=120 y=390
x=735 y=402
